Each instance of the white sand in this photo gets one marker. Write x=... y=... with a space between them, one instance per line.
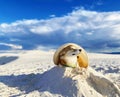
x=33 y=74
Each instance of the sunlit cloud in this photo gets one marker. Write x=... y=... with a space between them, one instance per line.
x=12 y=46
x=91 y=29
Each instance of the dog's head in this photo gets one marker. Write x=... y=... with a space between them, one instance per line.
x=69 y=54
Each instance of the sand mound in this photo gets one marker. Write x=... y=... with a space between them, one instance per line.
x=32 y=74
x=59 y=82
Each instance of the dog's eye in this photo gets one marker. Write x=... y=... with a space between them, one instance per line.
x=73 y=54
x=80 y=50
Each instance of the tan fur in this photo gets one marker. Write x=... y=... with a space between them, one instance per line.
x=62 y=54
x=82 y=62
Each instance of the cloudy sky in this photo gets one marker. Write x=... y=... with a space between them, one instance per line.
x=47 y=24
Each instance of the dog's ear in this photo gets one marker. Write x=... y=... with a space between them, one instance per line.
x=64 y=51
x=67 y=48
x=71 y=47
x=62 y=62
x=62 y=54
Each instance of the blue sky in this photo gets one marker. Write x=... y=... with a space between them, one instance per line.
x=46 y=24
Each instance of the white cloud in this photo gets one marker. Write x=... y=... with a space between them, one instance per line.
x=89 y=33
x=52 y=16
x=42 y=47
x=14 y=39
x=113 y=16
x=41 y=29
x=81 y=25
x=12 y=46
